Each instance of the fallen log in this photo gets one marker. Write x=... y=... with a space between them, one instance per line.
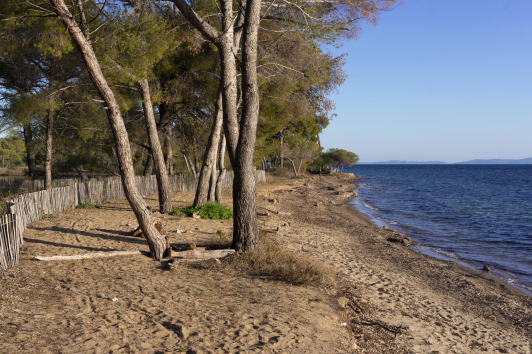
x=88 y=256
x=200 y=253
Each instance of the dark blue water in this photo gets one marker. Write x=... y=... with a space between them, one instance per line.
x=473 y=214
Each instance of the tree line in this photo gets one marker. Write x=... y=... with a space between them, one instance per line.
x=144 y=86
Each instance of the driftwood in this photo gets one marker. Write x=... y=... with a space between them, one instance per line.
x=88 y=255
x=199 y=253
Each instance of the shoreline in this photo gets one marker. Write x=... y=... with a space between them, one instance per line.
x=433 y=251
x=448 y=307
x=442 y=306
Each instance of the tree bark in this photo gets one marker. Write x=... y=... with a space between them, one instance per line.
x=221 y=175
x=212 y=184
x=186 y=161
x=156 y=241
x=164 y=128
x=281 y=149
x=165 y=202
x=245 y=227
x=293 y=166
x=30 y=150
x=209 y=159
x=82 y=174
x=148 y=168
x=48 y=155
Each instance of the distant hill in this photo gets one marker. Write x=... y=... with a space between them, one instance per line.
x=398 y=162
x=527 y=161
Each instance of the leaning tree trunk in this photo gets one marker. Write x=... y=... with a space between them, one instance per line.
x=48 y=155
x=246 y=232
x=156 y=241
x=209 y=159
x=165 y=202
x=30 y=150
x=221 y=174
x=148 y=167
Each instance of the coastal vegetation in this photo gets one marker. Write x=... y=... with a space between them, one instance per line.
x=179 y=84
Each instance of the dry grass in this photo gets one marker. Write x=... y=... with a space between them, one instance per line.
x=273 y=261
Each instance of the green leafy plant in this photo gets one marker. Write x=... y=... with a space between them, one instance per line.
x=177 y=212
x=208 y=211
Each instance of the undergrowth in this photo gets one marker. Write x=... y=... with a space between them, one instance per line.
x=276 y=262
x=208 y=211
x=86 y=206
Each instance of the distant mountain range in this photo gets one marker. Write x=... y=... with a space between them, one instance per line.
x=527 y=161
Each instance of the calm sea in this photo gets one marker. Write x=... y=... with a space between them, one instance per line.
x=473 y=214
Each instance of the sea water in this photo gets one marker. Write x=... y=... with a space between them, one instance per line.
x=474 y=214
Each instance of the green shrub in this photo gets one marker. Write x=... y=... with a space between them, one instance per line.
x=86 y=206
x=208 y=211
x=215 y=211
x=177 y=212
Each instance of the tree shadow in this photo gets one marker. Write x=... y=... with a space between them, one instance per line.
x=120 y=238
x=57 y=244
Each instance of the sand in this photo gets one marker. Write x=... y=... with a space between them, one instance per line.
x=68 y=307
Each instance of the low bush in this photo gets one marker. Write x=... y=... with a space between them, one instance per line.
x=208 y=211
x=274 y=261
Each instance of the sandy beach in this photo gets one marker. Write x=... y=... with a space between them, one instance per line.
x=388 y=298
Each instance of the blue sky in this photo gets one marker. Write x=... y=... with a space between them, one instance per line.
x=447 y=80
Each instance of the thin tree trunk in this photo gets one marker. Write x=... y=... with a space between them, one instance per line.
x=281 y=149
x=186 y=161
x=221 y=175
x=246 y=232
x=30 y=150
x=299 y=167
x=169 y=158
x=293 y=166
x=212 y=184
x=148 y=168
x=156 y=241
x=82 y=174
x=164 y=128
x=165 y=202
x=209 y=159
x=48 y=156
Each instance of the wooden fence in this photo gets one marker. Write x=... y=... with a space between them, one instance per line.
x=27 y=208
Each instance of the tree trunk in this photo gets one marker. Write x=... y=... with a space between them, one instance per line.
x=299 y=167
x=245 y=228
x=186 y=161
x=221 y=175
x=169 y=158
x=148 y=168
x=156 y=241
x=209 y=159
x=82 y=174
x=164 y=128
x=165 y=202
x=293 y=166
x=212 y=185
x=281 y=149
x=342 y=169
x=48 y=155
x=30 y=150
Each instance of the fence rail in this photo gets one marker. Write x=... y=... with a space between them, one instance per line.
x=27 y=208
